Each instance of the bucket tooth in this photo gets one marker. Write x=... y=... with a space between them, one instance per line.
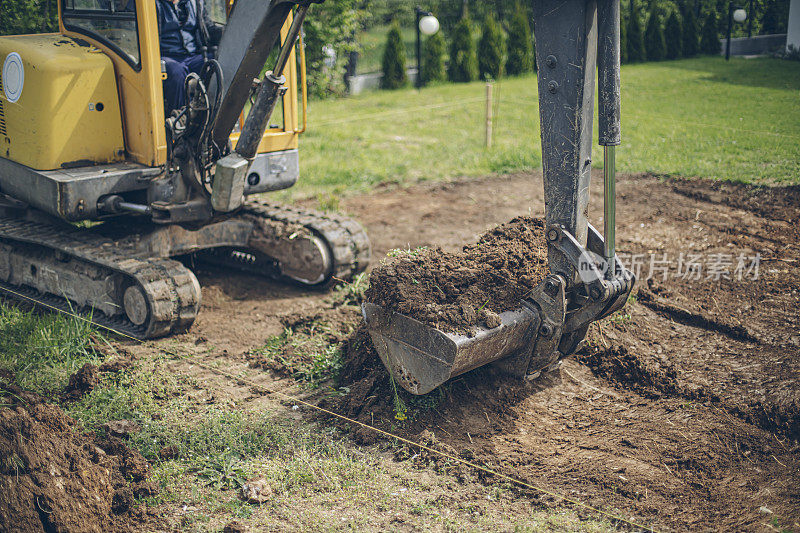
x=421 y=357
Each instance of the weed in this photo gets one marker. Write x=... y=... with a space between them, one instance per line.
x=620 y=317
x=223 y=471
x=426 y=402
x=400 y=407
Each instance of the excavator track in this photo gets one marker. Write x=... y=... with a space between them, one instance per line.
x=76 y=271
x=141 y=292
x=343 y=248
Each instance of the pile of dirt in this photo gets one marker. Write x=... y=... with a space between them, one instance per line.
x=456 y=292
x=54 y=479
x=82 y=382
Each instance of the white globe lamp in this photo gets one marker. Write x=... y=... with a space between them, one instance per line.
x=740 y=15
x=428 y=25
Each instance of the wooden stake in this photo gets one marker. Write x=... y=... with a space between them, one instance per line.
x=488 y=114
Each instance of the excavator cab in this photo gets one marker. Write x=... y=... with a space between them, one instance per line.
x=83 y=136
x=91 y=98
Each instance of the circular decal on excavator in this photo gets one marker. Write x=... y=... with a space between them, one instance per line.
x=13 y=77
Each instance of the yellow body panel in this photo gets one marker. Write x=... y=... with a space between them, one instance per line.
x=68 y=110
x=52 y=124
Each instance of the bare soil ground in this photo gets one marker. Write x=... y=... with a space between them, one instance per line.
x=682 y=411
x=52 y=478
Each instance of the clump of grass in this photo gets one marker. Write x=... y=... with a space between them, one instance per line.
x=351 y=293
x=308 y=354
x=328 y=202
x=42 y=350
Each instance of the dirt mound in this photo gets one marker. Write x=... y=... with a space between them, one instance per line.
x=53 y=479
x=82 y=382
x=457 y=291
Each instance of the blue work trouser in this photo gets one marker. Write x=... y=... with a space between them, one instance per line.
x=177 y=70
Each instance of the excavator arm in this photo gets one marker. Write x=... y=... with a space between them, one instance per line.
x=574 y=40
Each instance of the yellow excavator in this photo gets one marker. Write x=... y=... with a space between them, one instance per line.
x=99 y=192
x=83 y=138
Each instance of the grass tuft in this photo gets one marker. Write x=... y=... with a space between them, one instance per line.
x=43 y=350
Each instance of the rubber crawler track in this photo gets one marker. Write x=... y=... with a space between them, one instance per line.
x=170 y=289
x=347 y=240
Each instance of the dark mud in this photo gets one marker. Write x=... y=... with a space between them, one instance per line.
x=457 y=291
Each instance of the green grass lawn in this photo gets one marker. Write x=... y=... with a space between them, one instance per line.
x=702 y=117
x=373 y=42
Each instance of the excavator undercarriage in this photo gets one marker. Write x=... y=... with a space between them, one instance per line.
x=120 y=272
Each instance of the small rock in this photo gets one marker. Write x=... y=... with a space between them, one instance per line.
x=234 y=527
x=122 y=428
x=256 y=491
x=168 y=452
x=490 y=318
x=765 y=510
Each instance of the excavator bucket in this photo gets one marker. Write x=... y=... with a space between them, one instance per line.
x=421 y=357
x=530 y=339
x=587 y=281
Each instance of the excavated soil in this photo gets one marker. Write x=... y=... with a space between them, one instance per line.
x=457 y=291
x=681 y=412
x=54 y=479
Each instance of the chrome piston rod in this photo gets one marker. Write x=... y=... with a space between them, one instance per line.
x=609 y=204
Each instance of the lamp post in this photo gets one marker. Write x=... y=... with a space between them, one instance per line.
x=736 y=14
x=427 y=24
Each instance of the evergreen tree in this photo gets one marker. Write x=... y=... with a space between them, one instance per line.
x=433 y=58
x=655 y=47
x=491 y=49
x=775 y=17
x=634 y=38
x=673 y=36
x=709 y=40
x=690 y=33
x=394 y=60
x=520 y=44
x=463 y=65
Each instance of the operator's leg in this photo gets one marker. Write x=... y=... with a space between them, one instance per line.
x=194 y=63
x=173 y=85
